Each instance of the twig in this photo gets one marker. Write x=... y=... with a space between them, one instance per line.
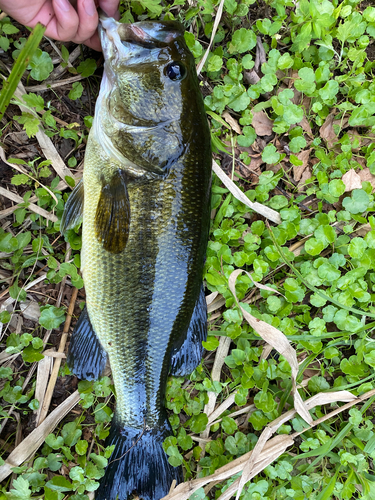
x=57 y=363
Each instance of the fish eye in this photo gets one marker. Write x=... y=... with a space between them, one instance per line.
x=175 y=71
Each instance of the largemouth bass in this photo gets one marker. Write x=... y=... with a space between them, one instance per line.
x=145 y=203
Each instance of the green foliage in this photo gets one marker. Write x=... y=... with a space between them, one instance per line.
x=316 y=66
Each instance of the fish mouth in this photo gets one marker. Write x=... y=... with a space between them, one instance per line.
x=127 y=39
x=111 y=31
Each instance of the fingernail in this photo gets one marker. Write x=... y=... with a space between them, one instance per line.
x=64 y=5
x=90 y=7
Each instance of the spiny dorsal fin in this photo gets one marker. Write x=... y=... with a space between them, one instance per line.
x=73 y=211
x=112 y=218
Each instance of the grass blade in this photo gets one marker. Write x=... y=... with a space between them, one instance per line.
x=10 y=85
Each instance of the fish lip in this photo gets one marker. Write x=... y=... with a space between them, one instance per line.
x=118 y=34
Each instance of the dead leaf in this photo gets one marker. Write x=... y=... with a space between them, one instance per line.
x=342 y=122
x=326 y=130
x=366 y=175
x=297 y=98
x=260 y=54
x=306 y=127
x=363 y=230
x=232 y=122
x=262 y=124
x=298 y=170
x=30 y=310
x=293 y=75
x=369 y=139
x=267 y=212
x=360 y=160
x=351 y=180
x=307 y=174
x=221 y=354
x=251 y=77
x=256 y=162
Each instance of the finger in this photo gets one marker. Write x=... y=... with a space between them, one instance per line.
x=88 y=20
x=110 y=7
x=93 y=42
x=64 y=25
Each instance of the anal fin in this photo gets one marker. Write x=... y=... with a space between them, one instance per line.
x=187 y=357
x=73 y=211
x=86 y=356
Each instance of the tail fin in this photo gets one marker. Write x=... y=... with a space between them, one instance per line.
x=138 y=464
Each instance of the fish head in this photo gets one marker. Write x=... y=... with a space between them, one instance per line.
x=151 y=92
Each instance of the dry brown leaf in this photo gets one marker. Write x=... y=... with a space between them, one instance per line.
x=249 y=466
x=351 y=180
x=251 y=77
x=42 y=376
x=362 y=231
x=232 y=122
x=326 y=130
x=267 y=349
x=30 y=310
x=262 y=124
x=260 y=54
x=366 y=175
x=269 y=213
x=360 y=160
x=297 y=98
x=369 y=139
x=307 y=174
x=256 y=162
x=293 y=75
x=298 y=170
x=216 y=304
x=306 y=127
x=210 y=298
x=279 y=341
x=342 y=122
x=221 y=354
x=221 y=409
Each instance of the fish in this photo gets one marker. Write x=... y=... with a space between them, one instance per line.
x=144 y=203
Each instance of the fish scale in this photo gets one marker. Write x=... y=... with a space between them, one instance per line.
x=145 y=198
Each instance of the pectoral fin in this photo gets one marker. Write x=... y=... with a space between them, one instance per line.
x=112 y=218
x=187 y=357
x=73 y=208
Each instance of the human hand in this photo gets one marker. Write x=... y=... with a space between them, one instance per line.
x=75 y=21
